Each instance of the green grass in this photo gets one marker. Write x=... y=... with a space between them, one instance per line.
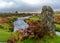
x=35 y=18
x=56 y=39
x=4 y=35
x=56 y=14
x=57 y=27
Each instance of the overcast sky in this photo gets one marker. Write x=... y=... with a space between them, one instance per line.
x=27 y=5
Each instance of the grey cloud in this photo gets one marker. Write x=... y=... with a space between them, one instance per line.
x=23 y=7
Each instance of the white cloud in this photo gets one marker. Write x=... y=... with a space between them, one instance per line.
x=6 y=4
x=32 y=2
x=38 y=2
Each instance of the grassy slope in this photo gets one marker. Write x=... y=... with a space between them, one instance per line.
x=56 y=39
x=4 y=35
x=57 y=27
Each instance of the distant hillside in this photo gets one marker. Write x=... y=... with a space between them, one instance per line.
x=57 y=12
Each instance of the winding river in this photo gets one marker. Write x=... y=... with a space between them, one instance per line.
x=20 y=24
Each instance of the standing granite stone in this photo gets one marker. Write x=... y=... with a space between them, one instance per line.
x=48 y=19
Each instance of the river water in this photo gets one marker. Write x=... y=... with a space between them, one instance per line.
x=20 y=24
x=57 y=33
